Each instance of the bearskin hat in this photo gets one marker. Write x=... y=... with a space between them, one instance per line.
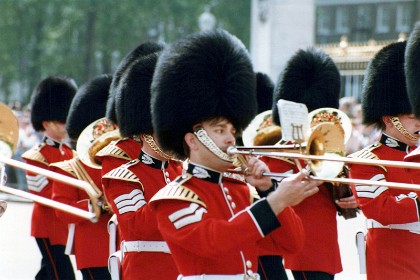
x=110 y=113
x=51 y=100
x=412 y=69
x=202 y=76
x=265 y=88
x=143 y=49
x=132 y=98
x=384 y=87
x=310 y=77
x=88 y=105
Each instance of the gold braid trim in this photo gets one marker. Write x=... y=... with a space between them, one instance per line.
x=151 y=142
x=398 y=125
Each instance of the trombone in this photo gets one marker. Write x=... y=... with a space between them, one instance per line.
x=324 y=157
x=9 y=132
x=240 y=151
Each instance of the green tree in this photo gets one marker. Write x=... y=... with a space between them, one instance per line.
x=85 y=38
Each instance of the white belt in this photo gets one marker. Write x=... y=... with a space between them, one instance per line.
x=220 y=277
x=412 y=227
x=145 y=246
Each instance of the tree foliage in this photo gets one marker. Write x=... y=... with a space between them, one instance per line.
x=85 y=38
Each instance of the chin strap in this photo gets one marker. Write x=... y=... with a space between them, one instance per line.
x=152 y=144
x=205 y=139
x=398 y=125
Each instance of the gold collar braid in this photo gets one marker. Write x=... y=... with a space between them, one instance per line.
x=151 y=142
x=399 y=126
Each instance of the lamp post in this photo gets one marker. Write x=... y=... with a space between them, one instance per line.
x=206 y=21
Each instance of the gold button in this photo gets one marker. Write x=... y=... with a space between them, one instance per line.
x=248 y=264
x=226 y=190
x=233 y=205
x=229 y=197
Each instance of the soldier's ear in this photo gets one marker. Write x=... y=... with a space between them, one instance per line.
x=47 y=124
x=191 y=141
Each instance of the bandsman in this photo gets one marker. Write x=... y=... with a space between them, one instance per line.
x=203 y=95
x=50 y=104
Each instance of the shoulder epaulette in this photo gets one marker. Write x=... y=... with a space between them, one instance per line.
x=124 y=174
x=65 y=166
x=176 y=190
x=34 y=154
x=254 y=194
x=367 y=153
x=114 y=151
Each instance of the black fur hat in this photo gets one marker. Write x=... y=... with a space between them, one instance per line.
x=412 y=69
x=88 y=105
x=384 y=87
x=143 y=49
x=203 y=76
x=51 y=100
x=132 y=97
x=310 y=77
x=110 y=113
x=265 y=88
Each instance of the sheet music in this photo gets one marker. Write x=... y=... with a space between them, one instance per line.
x=294 y=120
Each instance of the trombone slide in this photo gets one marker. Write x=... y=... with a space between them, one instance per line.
x=52 y=175
x=392 y=163
x=394 y=185
x=51 y=203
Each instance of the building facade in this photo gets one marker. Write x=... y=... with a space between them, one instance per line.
x=350 y=31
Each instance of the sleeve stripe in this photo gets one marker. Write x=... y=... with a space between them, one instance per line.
x=130 y=202
x=183 y=212
x=128 y=196
x=371 y=191
x=132 y=208
x=196 y=217
x=36 y=183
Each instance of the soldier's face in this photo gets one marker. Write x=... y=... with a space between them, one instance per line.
x=221 y=131
x=409 y=130
x=55 y=130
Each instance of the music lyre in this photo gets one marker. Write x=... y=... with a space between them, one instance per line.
x=298 y=138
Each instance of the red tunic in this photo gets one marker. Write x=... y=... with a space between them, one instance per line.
x=90 y=239
x=318 y=213
x=129 y=189
x=212 y=225
x=391 y=254
x=44 y=222
x=114 y=155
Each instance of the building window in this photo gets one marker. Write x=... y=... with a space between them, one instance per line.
x=342 y=21
x=324 y=22
x=403 y=22
x=383 y=18
x=363 y=18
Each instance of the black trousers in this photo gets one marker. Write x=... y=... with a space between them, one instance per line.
x=96 y=273
x=271 y=268
x=55 y=264
x=312 y=275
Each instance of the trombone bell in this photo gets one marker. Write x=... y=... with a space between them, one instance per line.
x=326 y=139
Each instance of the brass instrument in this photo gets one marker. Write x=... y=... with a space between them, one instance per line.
x=9 y=134
x=93 y=138
x=324 y=153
